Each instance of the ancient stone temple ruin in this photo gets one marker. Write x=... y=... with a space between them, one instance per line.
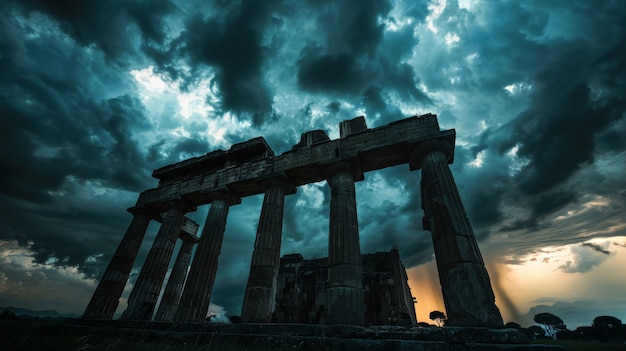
x=221 y=178
x=301 y=290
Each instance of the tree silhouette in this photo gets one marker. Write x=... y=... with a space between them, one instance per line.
x=438 y=317
x=552 y=323
x=608 y=328
x=6 y=314
x=512 y=325
x=607 y=322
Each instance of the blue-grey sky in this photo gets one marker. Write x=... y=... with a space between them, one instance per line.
x=95 y=95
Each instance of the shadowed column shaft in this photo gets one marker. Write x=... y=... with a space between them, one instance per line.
x=143 y=298
x=174 y=286
x=260 y=296
x=106 y=298
x=345 y=292
x=465 y=284
x=194 y=303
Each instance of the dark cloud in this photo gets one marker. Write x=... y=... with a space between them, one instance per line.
x=335 y=73
x=357 y=56
x=232 y=43
x=597 y=248
x=107 y=24
x=568 y=119
x=70 y=146
x=586 y=257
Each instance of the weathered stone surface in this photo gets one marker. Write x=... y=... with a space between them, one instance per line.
x=465 y=283
x=301 y=290
x=106 y=298
x=199 y=179
x=352 y=126
x=174 y=287
x=194 y=303
x=143 y=297
x=260 y=294
x=345 y=281
x=248 y=151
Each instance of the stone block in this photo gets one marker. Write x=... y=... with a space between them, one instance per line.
x=352 y=126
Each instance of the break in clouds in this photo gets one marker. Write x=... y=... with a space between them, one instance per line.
x=96 y=95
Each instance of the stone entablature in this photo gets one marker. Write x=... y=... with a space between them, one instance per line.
x=199 y=179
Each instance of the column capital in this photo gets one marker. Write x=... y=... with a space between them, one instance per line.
x=228 y=197
x=143 y=211
x=419 y=151
x=189 y=230
x=183 y=205
x=344 y=167
x=279 y=182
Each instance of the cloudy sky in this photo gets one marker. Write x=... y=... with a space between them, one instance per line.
x=94 y=95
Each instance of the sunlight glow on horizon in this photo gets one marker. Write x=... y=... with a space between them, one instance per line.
x=542 y=279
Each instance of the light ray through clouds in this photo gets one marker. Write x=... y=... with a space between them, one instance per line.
x=96 y=95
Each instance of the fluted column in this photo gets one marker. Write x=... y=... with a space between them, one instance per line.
x=106 y=298
x=465 y=284
x=345 y=290
x=143 y=298
x=174 y=286
x=260 y=296
x=194 y=303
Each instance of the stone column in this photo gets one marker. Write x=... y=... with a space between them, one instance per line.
x=194 y=303
x=143 y=298
x=465 y=284
x=345 y=289
x=174 y=286
x=260 y=295
x=106 y=298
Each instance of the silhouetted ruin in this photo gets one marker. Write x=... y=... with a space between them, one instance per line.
x=221 y=178
x=301 y=291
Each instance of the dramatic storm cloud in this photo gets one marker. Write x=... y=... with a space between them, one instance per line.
x=96 y=95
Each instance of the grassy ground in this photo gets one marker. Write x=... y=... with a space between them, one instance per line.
x=573 y=345
x=24 y=335
x=18 y=335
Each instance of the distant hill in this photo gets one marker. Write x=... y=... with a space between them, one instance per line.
x=36 y=314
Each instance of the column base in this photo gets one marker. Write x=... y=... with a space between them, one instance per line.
x=259 y=306
x=345 y=306
x=467 y=304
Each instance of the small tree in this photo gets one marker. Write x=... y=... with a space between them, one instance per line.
x=6 y=314
x=606 y=322
x=512 y=325
x=552 y=323
x=608 y=328
x=438 y=317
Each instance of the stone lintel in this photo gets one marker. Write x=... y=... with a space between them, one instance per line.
x=189 y=230
x=239 y=153
x=371 y=149
x=213 y=160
